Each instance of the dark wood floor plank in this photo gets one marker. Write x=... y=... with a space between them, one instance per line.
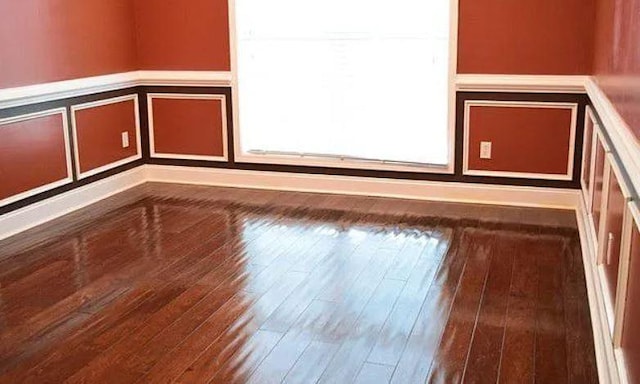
x=214 y=360
x=66 y=360
x=350 y=305
x=282 y=358
x=551 y=354
x=273 y=244
x=145 y=356
x=581 y=363
x=396 y=331
x=404 y=266
x=171 y=365
x=244 y=361
x=198 y=284
x=283 y=257
x=374 y=374
x=517 y=363
x=449 y=272
x=312 y=363
x=230 y=315
x=321 y=279
x=421 y=346
x=32 y=340
x=353 y=352
x=449 y=362
x=483 y=360
x=345 y=264
x=101 y=368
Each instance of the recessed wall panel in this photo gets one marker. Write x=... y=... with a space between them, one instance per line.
x=188 y=126
x=33 y=154
x=100 y=129
x=526 y=139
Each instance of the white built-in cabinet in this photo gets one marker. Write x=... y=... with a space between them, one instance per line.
x=613 y=221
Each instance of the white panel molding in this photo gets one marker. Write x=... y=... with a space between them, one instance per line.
x=185 y=78
x=366 y=186
x=608 y=369
x=39 y=93
x=520 y=83
x=520 y=104
x=187 y=96
x=101 y=103
x=54 y=207
x=587 y=190
x=630 y=223
x=65 y=132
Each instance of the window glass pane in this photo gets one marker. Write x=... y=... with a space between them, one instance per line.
x=352 y=78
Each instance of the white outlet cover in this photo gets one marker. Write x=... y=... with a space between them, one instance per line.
x=125 y=139
x=485 y=150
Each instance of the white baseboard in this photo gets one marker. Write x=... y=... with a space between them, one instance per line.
x=54 y=207
x=348 y=185
x=605 y=355
x=49 y=209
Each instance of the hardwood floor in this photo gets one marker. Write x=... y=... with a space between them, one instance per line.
x=170 y=283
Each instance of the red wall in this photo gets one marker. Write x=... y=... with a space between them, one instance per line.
x=182 y=35
x=617 y=56
x=553 y=37
x=37 y=141
x=51 y=40
x=99 y=132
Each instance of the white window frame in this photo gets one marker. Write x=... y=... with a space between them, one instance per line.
x=318 y=161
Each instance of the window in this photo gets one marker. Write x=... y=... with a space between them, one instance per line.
x=345 y=80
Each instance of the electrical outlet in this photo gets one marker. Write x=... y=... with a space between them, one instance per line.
x=485 y=150
x=125 y=139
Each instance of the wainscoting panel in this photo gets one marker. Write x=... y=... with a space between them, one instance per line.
x=534 y=137
x=34 y=154
x=188 y=126
x=106 y=134
x=533 y=140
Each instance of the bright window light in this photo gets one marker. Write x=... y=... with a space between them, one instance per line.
x=358 y=79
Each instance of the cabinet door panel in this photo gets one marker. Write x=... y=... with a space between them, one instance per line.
x=630 y=342
x=598 y=181
x=587 y=156
x=612 y=221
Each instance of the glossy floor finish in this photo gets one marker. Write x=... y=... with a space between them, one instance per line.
x=170 y=283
